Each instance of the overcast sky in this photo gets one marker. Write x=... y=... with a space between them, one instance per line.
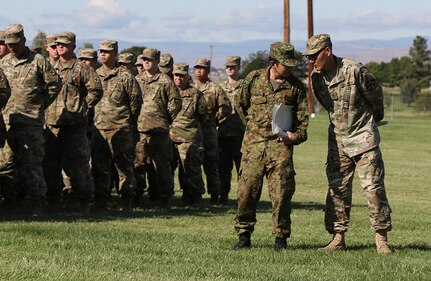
x=218 y=20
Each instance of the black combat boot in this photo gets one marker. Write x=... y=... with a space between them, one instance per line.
x=224 y=199
x=280 y=244
x=244 y=241
x=126 y=205
x=215 y=200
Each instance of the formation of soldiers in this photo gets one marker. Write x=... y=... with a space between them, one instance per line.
x=75 y=129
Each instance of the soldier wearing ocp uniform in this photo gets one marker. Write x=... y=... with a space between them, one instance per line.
x=166 y=64
x=4 y=50
x=265 y=153
x=354 y=101
x=115 y=123
x=66 y=142
x=219 y=108
x=34 y=86
x=231 y=131
x=187 y=135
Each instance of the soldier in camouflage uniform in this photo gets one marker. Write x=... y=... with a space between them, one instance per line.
x=354 y=101
x=51 y=48
x=66 y=142
x=89 y=57
x=4 y=50
x=166 y=64
x=154 y=154
x=186 y=133
x=34 y=86
x=264 y=153
x=115 y=123
x=231 y=131
x=126 y=59
x=139 y=64
x=219 y=108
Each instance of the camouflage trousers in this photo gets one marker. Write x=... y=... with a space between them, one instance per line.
x=211 y=163
x=340 y=170
x=273 y=160
x=68 y=148
x=21 y=158
x=189 y=155
x=154 y=154
x=113 y=151
x=230 y=154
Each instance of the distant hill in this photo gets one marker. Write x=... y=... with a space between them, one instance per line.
x=362 y=50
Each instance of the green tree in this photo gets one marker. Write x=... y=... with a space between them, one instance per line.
x=409 y=91
x=87 y=45
x=421 y=59
x=423 y=103
x=39 y=43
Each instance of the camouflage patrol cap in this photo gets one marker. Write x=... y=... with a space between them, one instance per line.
x=181 y=68
x=233 y=61
x=108 y=45
x=87 y=53
x=2 y=36
x=316 y=43
x=284 y=53
x=66 y=37
x=165 y=60
x=50 y=40
x=125 y=58
x=203 y=63
x=151 y=53
x=139 y=60
x=13 y=33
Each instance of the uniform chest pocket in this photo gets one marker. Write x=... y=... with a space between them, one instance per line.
x=186 y=104
x=258 y=99
x=72 y=100
x=116 y=93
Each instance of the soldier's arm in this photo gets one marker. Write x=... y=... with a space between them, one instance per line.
x=52 y=81
x=93 y=86
x=372 y=91
x=135 y=95
x=4 y=89
x=224 y=106
x=300 y=116
x=201 y=108
x=174 y=100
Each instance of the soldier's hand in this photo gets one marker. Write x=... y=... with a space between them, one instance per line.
x=288 y=139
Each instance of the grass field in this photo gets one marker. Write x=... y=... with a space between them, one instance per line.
x=184 y=244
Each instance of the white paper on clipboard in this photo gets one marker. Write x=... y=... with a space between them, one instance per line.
x=281 y=119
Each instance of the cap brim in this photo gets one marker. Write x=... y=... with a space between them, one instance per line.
x=180 y=72
x=200 y=65
x=311 y=52
x=291 y=63
x=67 y=42
x=12 y=40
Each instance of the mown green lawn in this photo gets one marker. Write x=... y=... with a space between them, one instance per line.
x=184 y=244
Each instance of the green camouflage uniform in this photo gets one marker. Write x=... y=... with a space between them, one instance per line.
x=219 y=107
x=4 y=96
x=264 y=155
x=113 y=140
x=186 y=133
x=354 y=101
x=66 y=142
x=154 y=149
x=230 y=135
x=34 y=86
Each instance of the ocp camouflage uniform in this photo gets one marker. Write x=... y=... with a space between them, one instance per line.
x=67 y=145
x=34 y=86
x=219 y=107
x=230 y=135
x=186 y=133
x=354 y=101
x=4 y=96
x=264 y=155
x=154 y=149
x=113 y=141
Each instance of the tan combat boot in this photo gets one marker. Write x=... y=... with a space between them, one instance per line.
x=337 y=243
x=382 y=242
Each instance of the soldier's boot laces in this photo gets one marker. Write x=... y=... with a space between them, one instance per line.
x=382 y=242
x=244 y=241
x=280 y=244
x=337 y=244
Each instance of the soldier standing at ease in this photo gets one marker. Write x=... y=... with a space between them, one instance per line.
x=89 y=57
x=265 y=153
x=354 y=101
x=66 y=142
x=186 y=133
x=139 y=64
x=115 y=123
x=34 y=86
x=219 y=108
x=231 y=131
x=154 y=152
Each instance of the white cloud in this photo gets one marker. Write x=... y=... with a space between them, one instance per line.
x=104 y=14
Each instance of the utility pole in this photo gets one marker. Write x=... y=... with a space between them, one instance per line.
x=310 y=66
x=211 y=53
x=286 y=27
